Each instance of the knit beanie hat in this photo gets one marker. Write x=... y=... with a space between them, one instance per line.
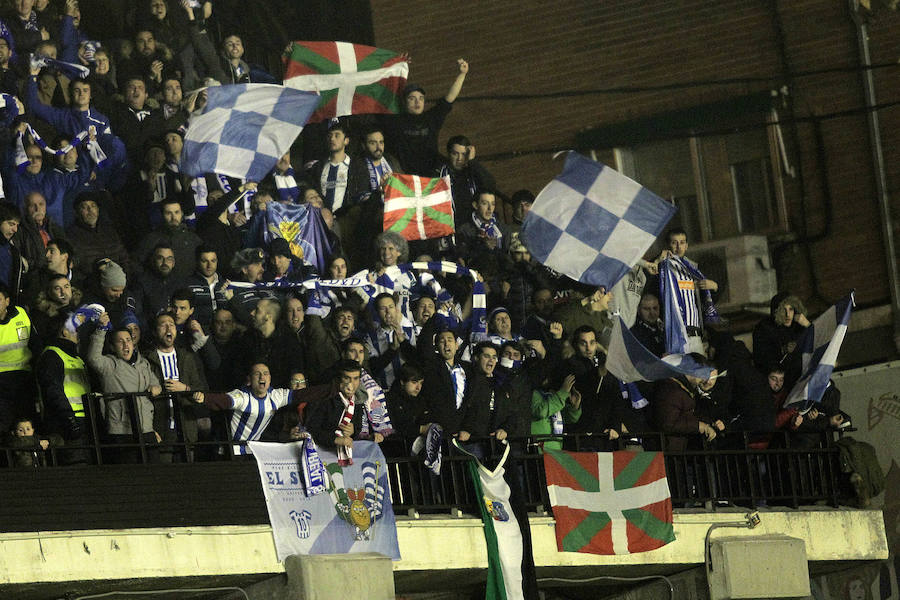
x=112 y=276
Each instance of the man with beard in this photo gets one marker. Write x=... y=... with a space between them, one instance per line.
x=342 y=181
x=175 y=418
x=378 y=166
x=270 y=342
x=175 y=234
x=157 y=284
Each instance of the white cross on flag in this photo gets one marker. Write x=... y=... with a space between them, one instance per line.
x=351 y=79
x=609 y=502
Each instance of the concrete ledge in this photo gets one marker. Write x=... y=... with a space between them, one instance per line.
x=427 y=544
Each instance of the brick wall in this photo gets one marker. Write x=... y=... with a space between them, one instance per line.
x=527 y=48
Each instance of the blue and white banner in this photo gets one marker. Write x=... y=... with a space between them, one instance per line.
x=630 y=361
x=592 y=223
x=820 y=346
x=244 y=129
x=303 y=228
x=354 y=514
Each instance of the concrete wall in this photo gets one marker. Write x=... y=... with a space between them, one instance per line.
x=427 y=545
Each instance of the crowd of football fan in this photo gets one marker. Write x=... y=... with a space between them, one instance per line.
x=115 y=273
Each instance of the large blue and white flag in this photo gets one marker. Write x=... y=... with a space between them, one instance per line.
x=592 y=223
x=819 y=347
x=630 y=361
x=244 y=129
x=303 y=228
x=354 y=514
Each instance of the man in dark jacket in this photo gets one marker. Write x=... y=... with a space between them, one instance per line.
x=11 y=265
x=604 y=413
x=268 y=341
x=180 y=371
x=445 y=378
x=488 y=407
x=176 y=235
x=330 y=421
x=158 y=282
x=64 y=381
x=94 y=237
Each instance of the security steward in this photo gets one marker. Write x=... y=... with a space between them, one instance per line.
x=64 y=384
x=17 y=345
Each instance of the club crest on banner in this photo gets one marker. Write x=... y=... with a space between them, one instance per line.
x=496 y=509
x=359 y=507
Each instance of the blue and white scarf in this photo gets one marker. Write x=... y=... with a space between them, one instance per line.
x=70 y=70
x=677 y=305
x=376 y=173
x=94 y=150
x=287 y=186
x=490 y=228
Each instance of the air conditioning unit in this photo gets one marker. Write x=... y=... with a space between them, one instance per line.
x=765 y=566
x=742 y=268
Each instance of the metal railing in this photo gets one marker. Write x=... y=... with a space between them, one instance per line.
x=706 y=474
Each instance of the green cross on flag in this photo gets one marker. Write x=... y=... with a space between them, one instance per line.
x=418 y=208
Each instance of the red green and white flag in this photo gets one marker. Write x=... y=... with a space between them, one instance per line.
x=351 y=79
x=609 y=502
x=418 y=208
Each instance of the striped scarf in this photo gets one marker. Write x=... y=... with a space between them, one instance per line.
x=287 y=186
x=94 y=150
x=70 y=70
x=345 y=453
x=676 y=304
x=376 y=173
x=490 y=227
x=376 y=409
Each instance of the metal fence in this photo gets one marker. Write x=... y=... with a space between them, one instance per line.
x=733 y=471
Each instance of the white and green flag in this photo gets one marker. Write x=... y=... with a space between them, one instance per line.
x=501 y=530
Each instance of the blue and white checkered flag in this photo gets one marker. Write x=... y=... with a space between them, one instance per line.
x=244 y=129
x=629 y=360
x=592 y=223
x=820 y=346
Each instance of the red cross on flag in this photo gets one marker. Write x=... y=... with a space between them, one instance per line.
x=609 y=502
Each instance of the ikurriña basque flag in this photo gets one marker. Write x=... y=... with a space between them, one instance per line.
x=353 y=514
x=609 y=502
x=820 y=346
x=418 y=208
x=351 y=79
x=630 y=361
x=592 y=223
x=244 y=129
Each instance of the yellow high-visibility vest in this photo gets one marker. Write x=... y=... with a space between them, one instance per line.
x=75 y=383
x=14 y=335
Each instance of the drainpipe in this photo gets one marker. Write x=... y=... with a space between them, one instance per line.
x=887 y=226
